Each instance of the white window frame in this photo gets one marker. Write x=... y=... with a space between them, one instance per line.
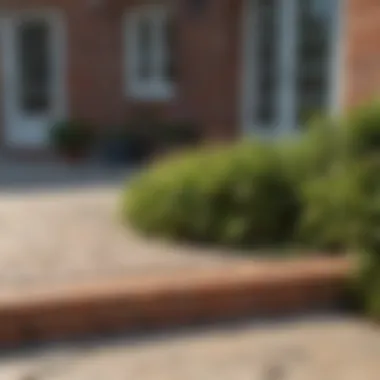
x=21 y=128
x=287 y=67
x=158 y=88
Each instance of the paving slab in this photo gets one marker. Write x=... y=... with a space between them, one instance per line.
x=60 y=225
x=308 y=348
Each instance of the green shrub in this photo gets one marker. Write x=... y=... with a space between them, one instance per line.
x=369 y=270
x=333 y=213
x=342 y=212
x=72 y=136
x=367 y=283
x=363 y=131
x=342 y=209
x=321 y=190
x=328 y=143
x=316 y=152
x=237 y=195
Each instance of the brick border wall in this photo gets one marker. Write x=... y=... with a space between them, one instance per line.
x=171 y=300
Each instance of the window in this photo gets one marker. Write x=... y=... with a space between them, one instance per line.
x=267 y=58
x=313 y=55
x=33 y=45
x=149 y=59
x=291 y=57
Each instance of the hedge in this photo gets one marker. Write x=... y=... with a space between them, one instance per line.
x=238 y=196
x=321 y=190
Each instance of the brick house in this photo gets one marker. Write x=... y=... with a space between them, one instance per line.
x=235 y=66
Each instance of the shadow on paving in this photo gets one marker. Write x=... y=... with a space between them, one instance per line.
x=151 y=335
x=22 y=178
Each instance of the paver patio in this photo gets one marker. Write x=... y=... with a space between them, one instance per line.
x=324 y=348
x=62 y=225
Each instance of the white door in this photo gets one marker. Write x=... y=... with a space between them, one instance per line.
x=33 y=96
x=290 y=60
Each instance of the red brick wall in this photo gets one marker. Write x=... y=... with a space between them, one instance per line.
x=209 y=57
x=362 y=56
x=208 y=63
x=211 y=64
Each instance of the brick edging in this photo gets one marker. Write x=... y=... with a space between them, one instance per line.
x=168 y=300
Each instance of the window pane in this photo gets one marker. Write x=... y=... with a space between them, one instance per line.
x=35 y=75
x=265 y=55
x=314 y=21
x=145 y=35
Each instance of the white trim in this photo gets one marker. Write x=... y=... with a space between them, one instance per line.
x=158 y=88
x=288 y=100
x=338 y=68
x=8 y=21
x=288 y=66
x=247 y=61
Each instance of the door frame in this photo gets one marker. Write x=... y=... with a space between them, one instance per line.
x=56 y=20
x=336 y=72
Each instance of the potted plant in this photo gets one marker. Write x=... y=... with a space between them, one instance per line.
x=72 y=139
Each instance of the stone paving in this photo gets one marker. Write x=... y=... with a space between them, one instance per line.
x=311 y=348
x=62 y=225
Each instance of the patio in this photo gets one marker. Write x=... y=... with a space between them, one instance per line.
x=69 y=268
x=307 y=348
x=61 y=224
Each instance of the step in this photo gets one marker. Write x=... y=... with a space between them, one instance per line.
x=171 y=299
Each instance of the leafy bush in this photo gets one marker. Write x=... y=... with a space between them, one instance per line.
x=342 y=212
x=315 y=152
x=335 y=169
x=322 y=190
x=369 y=271
x=363 y=131
x=340 y=190
x=232 y=196
x=334 y=213
x=329 y=143
x=72 y=137
x=367 y=283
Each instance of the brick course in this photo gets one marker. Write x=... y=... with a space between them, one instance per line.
x=173 y=299
x=362 y=56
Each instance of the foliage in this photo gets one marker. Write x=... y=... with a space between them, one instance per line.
x=363 y=131
x=367 y=283
x=72 y=136
x=321 y=189
x=339 y=209
x=315 y=152
x=233 y=196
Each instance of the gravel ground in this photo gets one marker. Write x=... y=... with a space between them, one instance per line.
x=59 y=225
x=319 y=348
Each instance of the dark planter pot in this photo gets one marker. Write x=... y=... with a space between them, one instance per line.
x=73 y=157
x=119 y=152
x=115 y=152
